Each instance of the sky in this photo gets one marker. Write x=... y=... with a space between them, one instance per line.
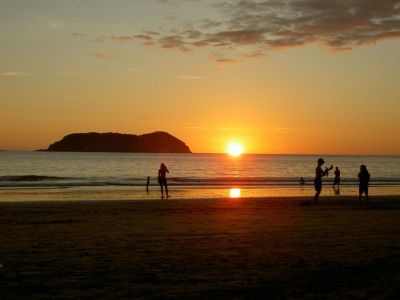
x=289 y=76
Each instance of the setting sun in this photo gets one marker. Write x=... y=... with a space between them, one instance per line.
x=235 y=149
x=234 y=193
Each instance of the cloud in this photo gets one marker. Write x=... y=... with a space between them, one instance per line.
x=15 y=74
x=147 y=40
x=78 y=35
x=174 y=42
x=189 y=77
x=281 y=128
x=258 y=26
x=122 y=38
x=137 y=71
x=226 y=128
x=212 y=128
x=44 y=21
x=222 y=62
x=103 y=55
x=197 y=127
x=255 y=54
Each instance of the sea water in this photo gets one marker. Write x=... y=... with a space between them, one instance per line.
x=91 y=176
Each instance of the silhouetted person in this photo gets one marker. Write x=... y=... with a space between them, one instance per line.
x=326 y=171
x=319 y=173
x=147 y=183
x=363 y=178
x=336 y=181
x=302 y=181
x=162 y=179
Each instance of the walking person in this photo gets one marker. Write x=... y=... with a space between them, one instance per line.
x=319 y=173
x=162 y=180
x=363 y=178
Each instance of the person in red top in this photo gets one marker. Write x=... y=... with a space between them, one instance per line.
x=162 y=179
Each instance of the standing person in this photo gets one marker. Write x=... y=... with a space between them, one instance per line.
x=319 y=173
x=162 y=179
x=336 y=181
x=147 y=184
x=302 y=181
x=363 y=178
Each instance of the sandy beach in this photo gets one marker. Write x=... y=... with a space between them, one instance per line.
x=276 y=248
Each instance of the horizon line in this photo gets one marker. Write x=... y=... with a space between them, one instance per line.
x=209 y=153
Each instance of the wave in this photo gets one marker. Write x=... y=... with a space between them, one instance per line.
x=30 y=178
x=40 y=181
x=274 y=180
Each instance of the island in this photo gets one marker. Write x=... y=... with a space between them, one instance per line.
x=155 y=142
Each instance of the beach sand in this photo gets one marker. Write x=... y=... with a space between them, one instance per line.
x=276 y=248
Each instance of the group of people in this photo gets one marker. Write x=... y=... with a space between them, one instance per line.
x=363 y=178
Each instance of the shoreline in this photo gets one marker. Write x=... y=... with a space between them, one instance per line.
x=322 y=200
x=182 y=193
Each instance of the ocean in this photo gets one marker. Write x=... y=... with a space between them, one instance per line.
x=93 y=176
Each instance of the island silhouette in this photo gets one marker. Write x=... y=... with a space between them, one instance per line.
x=155 y=142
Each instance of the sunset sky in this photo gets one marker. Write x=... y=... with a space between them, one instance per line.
x=290 y=76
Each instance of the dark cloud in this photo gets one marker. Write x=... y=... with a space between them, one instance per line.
x=122 y=38
x=250 y=28
x=147 y=40
x=259 y=26
x=174 y=42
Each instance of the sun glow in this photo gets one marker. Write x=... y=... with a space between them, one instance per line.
x=234 y=193
x=235 y=149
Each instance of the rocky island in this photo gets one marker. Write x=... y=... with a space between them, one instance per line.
x=156 y=142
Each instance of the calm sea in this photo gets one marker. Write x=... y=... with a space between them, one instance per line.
x=64 y=175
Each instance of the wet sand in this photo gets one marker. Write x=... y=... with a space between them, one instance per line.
x=276 y=248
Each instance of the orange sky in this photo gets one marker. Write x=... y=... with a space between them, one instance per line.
x=204 y=73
